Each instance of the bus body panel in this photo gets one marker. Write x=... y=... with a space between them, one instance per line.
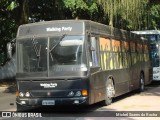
x=53 y=89
x=115 y=60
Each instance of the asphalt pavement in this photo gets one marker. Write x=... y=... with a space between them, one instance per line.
x=132 y=106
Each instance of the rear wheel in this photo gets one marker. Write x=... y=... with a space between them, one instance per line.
x=141 y=85
x=109 y=93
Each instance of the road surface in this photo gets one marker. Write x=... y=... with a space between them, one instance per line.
x=129 y=106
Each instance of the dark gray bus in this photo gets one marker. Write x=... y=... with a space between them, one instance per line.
x=77 y=62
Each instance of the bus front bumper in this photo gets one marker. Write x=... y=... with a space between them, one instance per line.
x=51 y=101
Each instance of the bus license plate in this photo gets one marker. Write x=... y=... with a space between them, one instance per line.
x=48 y=102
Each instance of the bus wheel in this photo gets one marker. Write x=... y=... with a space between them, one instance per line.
x=109 y=93
x=141 y=86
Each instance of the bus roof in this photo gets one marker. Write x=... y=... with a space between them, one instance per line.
x=60 y=27
x=51 y=27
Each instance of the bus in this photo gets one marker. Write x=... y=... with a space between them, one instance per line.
x=77 y=62
x=153 y=36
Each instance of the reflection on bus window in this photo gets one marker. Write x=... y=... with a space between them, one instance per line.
x=67 y=52
x=94 y=52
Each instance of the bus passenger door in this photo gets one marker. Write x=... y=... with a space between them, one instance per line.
x=135 y=66
x=95 y=69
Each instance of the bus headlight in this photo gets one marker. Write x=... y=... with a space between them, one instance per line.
x=71 y=93
x=27 y=94
x=78 y=93
x=21 y=94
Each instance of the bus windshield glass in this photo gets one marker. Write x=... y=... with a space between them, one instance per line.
x=66 y=55
x=32 y=55
x=154 y=46
x=51 y=56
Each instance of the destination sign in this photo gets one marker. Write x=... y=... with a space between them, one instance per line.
x=51 y=28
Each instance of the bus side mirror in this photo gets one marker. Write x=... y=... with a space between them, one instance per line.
x=9 y=50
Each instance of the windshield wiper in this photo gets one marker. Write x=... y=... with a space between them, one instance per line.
x=38 y=52
x=58 y=42
x=35 y=47
x=56 y=45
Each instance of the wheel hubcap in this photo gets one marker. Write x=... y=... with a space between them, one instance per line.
x=110 y=91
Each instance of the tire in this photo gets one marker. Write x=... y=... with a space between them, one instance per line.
x=141 y=83
x=109 y=93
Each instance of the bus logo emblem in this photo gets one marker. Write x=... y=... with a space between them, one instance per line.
x=48 y=85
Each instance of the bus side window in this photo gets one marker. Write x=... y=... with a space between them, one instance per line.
x=94 y=52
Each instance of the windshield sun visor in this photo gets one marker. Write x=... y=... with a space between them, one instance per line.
x=71 y=42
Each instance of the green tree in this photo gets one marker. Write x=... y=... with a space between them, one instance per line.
x=21 y=12
x=45 y=10
x=126 y=14
x=154 y=16
x=7 y=27
x=83 y=9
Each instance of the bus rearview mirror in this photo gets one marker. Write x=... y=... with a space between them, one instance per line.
x=9 y=50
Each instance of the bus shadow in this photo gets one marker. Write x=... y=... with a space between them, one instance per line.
x=154 y=84
x=69 y=109
x=95 y=110
x=126 y=95
x=152 y=89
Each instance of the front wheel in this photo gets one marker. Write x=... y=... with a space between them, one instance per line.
x=109 y=93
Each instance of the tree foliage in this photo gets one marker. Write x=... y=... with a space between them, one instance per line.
x=123 y=14
x=154 y=17
x=40 y=10
x=82 y=9
x=126 y=14
x=8 y=26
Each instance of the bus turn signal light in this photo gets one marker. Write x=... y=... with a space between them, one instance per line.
x=17 y=93
x=84 y=92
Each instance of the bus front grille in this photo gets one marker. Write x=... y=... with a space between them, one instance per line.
x=48 y=93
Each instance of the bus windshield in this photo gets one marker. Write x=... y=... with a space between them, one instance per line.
x=154 y=46
x=32 y=55
x=64 y=55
